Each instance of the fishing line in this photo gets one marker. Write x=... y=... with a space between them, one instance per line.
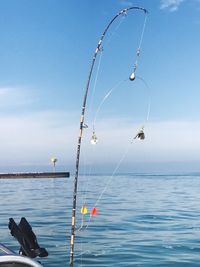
x=111 y=91
x=128 y=147
x=114 y=172
x=83 y=226
x=104 y=99
x=95 y=83
x=84 y=205
x=84 y=177
x=84 y=201
x=135 y=65
x=85 y=190
x=142 y=34
x=82 y=125
x=116 y=29
x=94 y=138
x=149 y=97
x=90 y=109
x=108 y=182
x=100 y=58
x=138 y=51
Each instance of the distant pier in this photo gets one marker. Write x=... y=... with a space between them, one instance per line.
x=26 y=175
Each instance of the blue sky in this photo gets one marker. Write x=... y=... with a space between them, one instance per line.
x=46 y=49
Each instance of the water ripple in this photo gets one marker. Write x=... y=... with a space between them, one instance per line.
x=142 y=220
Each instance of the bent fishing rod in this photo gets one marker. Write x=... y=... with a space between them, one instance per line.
x=82 y=125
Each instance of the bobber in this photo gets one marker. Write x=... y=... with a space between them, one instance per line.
x=84 y=210
x=93 y=211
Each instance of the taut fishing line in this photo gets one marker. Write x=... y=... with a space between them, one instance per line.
x=139 y=135
x=149 y=97
x=83 y=125
x=88 y=173
x=94 y=138
x=84 y=225
x=132 y=76
x=103 y=100
x=100 y=61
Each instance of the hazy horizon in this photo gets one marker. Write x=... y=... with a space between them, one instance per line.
x=46 y=51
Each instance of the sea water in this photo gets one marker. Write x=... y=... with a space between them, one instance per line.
x=142 y=220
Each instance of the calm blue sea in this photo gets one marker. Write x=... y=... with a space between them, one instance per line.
x=142 y=220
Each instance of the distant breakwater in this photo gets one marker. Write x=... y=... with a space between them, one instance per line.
x=26 y=175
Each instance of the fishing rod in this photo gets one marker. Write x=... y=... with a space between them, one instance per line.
x=82 y=125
